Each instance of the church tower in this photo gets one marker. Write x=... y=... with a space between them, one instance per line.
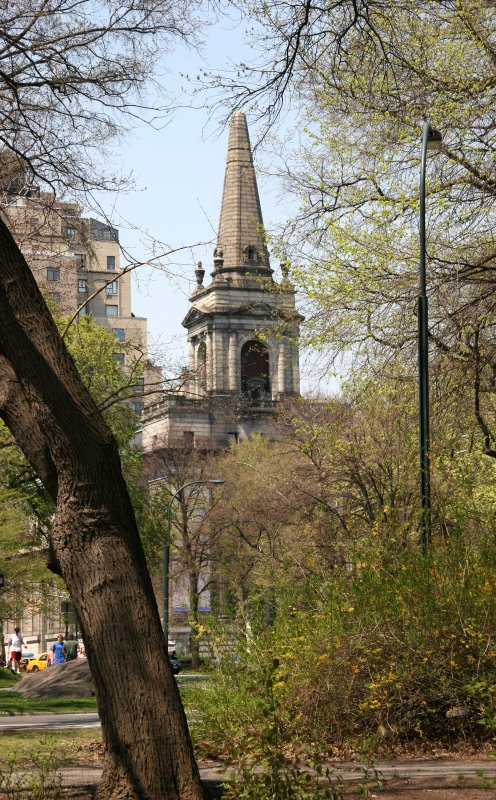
x=242 y=327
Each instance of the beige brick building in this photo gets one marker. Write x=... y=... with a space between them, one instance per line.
x=76 y=263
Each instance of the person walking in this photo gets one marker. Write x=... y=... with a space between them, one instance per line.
x=58 y=651
x=70 y=649
x=16 y=643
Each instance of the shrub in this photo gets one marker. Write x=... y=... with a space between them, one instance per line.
x=384 y=653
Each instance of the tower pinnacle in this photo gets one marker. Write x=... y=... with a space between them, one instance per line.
x=241 y=251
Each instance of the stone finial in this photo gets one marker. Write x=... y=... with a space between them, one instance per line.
x=199 y=273
x=285 y=264
x=218 y=258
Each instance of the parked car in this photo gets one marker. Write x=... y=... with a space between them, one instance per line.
x=35 y=664
x=24 y=661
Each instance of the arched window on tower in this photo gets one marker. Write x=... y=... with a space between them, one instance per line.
x=255 y=381
x=201 y=366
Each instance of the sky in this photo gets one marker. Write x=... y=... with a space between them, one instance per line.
x=178 y=172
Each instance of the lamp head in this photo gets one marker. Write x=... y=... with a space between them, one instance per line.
x=434 y=139
x=216 y=481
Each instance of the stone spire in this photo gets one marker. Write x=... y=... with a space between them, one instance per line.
x=241 y=252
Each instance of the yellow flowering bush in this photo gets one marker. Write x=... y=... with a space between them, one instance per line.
x=383 y=652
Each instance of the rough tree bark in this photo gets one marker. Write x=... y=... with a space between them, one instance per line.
x=147 y=749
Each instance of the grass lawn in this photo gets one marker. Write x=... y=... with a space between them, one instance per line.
x=13 y=703
x=61 y=748
x=23 y=749
x=7 y=679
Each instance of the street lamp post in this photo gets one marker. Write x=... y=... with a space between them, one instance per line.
x=167 y=547
x=431 y=139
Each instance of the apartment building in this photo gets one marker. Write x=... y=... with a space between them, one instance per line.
x=76 y=263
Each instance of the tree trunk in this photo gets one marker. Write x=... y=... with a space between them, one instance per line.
x=148 y=752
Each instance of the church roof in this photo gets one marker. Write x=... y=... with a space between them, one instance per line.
x=240 y=250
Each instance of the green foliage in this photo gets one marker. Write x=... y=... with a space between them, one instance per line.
x=484 y=694
x=111 y=386
x=352 y=469
x=92 y=348
x=266 y=766
x=367 y=82
x=19 y=560
x=26 y=510
x=366 y=658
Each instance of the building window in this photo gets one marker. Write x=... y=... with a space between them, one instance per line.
x=112 y=288
x=79 y=259
x=112 y=311
x=139 y=386
x=111 y=263
x=120 y=334
x=104 y=232
x=137 y=407
x=70 y=232
x=55 y=296
x=53 y=273
x=82 y=286
x=118 y=357
x=233 y=437
x=83 y=311
x=255 y=383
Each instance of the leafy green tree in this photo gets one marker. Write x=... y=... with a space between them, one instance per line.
x=342 y=472
x=366 y=75
x=111 y=386
x=25 y=575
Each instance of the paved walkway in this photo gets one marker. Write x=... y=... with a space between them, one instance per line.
x=415 y=769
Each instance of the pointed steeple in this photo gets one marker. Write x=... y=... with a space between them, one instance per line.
x=241 y=251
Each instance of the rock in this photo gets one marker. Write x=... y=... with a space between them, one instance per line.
x=72 y=679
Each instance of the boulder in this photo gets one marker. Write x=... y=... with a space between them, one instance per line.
x=72 y=679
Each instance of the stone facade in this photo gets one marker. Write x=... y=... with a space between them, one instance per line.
x=75 y=261
x=242 y=328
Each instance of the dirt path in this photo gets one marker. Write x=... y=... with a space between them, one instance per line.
x=406 y=779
